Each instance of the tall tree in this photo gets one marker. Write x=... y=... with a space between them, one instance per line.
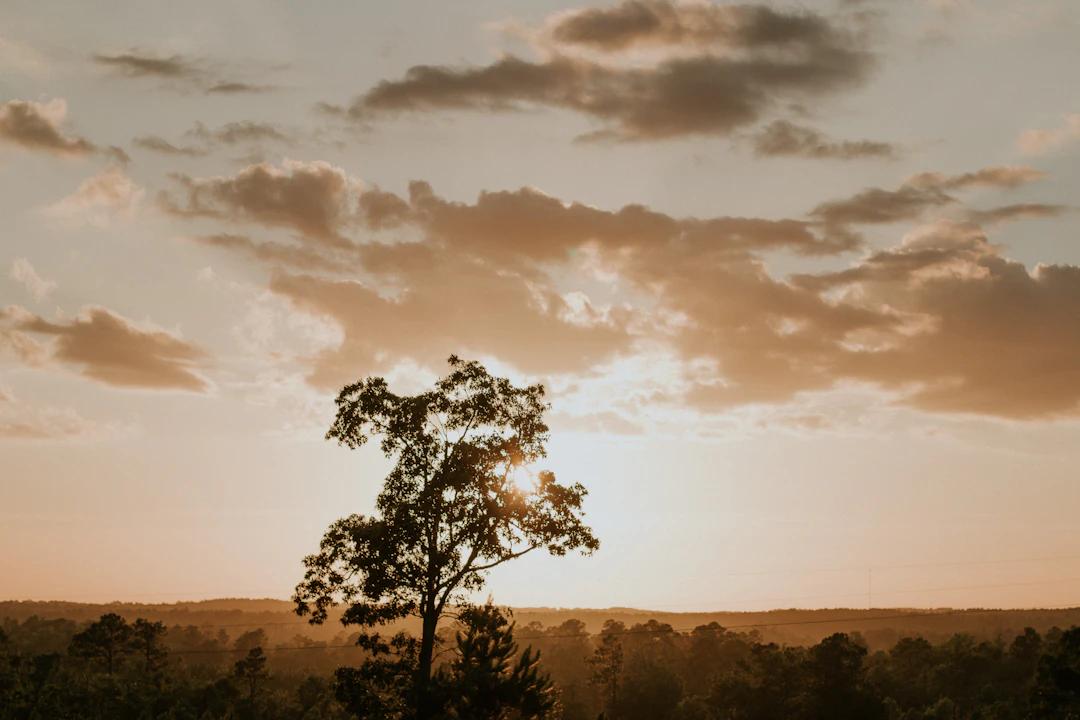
x=147 y=641
x=450 y=510
x=108 y=639
x=251 y=670
x=607 y=665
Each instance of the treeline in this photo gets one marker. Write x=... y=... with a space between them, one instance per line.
x=881 y=628
x=112 y=668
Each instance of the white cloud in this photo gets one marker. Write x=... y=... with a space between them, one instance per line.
x=21 y=421
x=23 y=272
x=22 y=58
x=1039 y=141
x=101 y=200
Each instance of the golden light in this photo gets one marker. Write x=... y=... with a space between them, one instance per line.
x=523 y=479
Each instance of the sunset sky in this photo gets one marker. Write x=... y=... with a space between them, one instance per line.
x=803 y=281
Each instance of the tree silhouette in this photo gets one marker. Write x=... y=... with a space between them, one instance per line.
x=448 y=511
x=1056 y=693
x=108 y=639
x=484 y=682
x=251 y=670
x=607 y=665
x=382 y=688
x=146 y=642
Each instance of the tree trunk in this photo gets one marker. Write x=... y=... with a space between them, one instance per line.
x=424 y=709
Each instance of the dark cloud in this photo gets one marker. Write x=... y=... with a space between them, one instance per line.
x=113 y=350
x=917 y=195
x=179 y=71
x=318 y=200
x=1001 y=176
x=233 y=133
x=781 y=58
x=1017 y=211
x=876 y=206
x=782 y=138
x=635 y=23
x=313 y=198
x=134 y=64
x=163 y=146
x=238 y=88
x=381 y=210
x=36 y=126
x=546 y=228
x=117 y=154
x=239 y=132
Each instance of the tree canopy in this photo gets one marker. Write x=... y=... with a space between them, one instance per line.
x=452 y=507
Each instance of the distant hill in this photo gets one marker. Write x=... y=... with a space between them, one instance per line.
x=880 y=627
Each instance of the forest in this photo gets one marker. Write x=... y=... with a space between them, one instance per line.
x=115 y=668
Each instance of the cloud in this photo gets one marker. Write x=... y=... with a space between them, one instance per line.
x=782 y=138
x=876 y=206
x=322 y=202
x=25 y=274
x=988 y=336
x=779 y=58
x=316 y=199
x=100 y=200
x=600 y=423
x=501 y=251
x=21 y=57
x=239 y=132
x=916 y=195
x=1037 y=142
x=292 y=256
x=163 y=146
x=237 y=88
x=650 y=23
x=111 y=349
x=1001 y=176
x=546 y=228
x=178 y=70
x=447 y=301
x=551 y=286
x=135 y=64
x=233 y=133
x=1016 y=211
x=19 y=421
x=36 y=126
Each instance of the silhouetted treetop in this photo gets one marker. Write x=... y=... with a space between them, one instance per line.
x=452 y=507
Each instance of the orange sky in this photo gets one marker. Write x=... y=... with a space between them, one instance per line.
x=803 y=282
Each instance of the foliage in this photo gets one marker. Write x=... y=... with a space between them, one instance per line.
x=107 y=640
x=251 y=671
x=450 y=509
x=709 y=673
x=488 y=679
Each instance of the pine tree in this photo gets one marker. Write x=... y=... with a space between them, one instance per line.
x=485 y=681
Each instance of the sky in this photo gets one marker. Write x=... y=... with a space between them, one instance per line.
x=802 y=281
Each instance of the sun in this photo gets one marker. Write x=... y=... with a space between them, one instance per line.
x=523 y=479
